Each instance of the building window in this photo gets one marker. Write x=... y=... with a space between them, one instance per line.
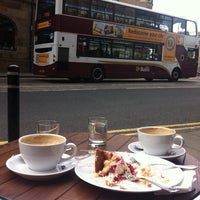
x=7 y=34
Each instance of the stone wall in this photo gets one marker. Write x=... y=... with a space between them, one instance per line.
x=21 y=13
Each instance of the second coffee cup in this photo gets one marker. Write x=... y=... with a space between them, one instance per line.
x=158 y=141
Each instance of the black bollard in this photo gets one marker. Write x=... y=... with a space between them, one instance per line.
x=13 y=102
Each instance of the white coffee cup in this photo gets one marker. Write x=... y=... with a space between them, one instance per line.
x=42 y=152
x=158 y=141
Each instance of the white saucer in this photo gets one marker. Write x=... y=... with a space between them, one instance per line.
x=17 y=165
x=136 y=147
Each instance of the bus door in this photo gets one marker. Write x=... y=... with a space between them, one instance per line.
x=63 y=57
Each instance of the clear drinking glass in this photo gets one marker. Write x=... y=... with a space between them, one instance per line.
x=48 y=126
x=97 y=131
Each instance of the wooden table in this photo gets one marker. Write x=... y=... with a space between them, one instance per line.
x=69 y=186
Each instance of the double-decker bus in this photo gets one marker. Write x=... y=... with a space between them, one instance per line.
x=99 y=39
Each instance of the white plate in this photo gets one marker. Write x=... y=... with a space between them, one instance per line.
x=18 y=166
x=136 y=147
x=85 y=171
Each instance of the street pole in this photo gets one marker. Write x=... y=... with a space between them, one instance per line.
x=13 y=102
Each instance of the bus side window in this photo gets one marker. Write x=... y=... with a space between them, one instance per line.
x=76 y=8
x=191 y=28
x=124 y=15
x=82 y=13
x=179 y=25
x=164 y=23
x=82 y=46
x=99 y=52
x=139 y=52
x=97 y=9
x=143 y=51
x=100 y=16
x=145 y=19
x=192 y=55
x=83 y=8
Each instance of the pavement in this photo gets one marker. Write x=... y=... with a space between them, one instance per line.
x=25 y=75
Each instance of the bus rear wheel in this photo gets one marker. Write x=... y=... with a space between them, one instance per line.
x=175 y=75
x=97 y=74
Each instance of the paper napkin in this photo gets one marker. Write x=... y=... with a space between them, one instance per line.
x=186 y=185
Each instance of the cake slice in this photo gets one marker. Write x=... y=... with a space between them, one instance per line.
x=100 y=157
x=112 y=165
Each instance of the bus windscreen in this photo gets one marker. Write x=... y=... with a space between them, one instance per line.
x=45 y=9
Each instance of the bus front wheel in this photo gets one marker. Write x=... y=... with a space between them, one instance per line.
x=97 y=74
x=175 y=75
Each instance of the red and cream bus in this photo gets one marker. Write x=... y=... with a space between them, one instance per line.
x=105 y=39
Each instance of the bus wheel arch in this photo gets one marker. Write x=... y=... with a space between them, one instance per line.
x=175 y=75
x=97 y=73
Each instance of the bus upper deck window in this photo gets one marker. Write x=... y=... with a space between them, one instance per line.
x=191 y=28
x=179 y=26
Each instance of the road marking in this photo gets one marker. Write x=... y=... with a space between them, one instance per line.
x=133 y=131
x=3 y=142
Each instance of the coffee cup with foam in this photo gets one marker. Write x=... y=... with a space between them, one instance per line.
x=159 y=141
x=42 y=152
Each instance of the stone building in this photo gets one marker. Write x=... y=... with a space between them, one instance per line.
x=16 y=33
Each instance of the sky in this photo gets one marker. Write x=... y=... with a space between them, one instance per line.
x=182 y=8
